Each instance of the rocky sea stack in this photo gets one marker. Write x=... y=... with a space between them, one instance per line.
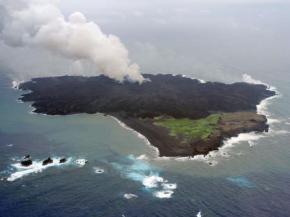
x=47 y=161
x=26 y=161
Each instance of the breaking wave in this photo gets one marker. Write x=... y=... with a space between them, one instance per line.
x=36 y=167
x=243 y=137
x=143 y=157
x=129 y=196
x=199 y=214
x=140 y=171
x=81 y=162
x=152 y=181
x=169 y=186
x=262 y=108
x=98 y=170
x=163 y=194
x=249 y=79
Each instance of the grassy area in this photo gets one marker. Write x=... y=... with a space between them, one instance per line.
x=189 y=129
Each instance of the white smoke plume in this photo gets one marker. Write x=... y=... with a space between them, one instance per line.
x=41 y=24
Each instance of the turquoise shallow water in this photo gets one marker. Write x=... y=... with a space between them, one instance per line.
x=247 y=179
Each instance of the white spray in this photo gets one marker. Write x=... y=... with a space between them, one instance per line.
x=41 y=24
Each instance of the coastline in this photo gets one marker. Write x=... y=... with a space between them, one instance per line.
x=262 y=109
x=139 y=135
x=222 y=151
x=226 y=143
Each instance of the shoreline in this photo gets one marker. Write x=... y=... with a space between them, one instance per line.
x=221 y=152
x=262 y=109
x=139 y=135
x=225 y=142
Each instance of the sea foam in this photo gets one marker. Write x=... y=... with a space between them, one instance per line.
x=143 y=157
x=98 y=170
x=169 y=186
x=262 y=108
x=36 y=167
x=141 y=171
x=163 y=194
x=152 y=181
x=81 y=162
x=129 y=196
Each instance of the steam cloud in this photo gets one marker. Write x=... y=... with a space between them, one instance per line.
x=40 y=23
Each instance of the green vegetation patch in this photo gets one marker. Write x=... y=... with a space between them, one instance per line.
x=188 y=128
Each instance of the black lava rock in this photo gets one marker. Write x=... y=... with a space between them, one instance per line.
x=62 y=160
x=170 y=95
x=26 y=161
x=47 y=161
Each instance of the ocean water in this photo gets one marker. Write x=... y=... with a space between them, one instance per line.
x=248 y=177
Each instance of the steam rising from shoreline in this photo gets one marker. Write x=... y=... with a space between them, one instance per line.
x=41 y=24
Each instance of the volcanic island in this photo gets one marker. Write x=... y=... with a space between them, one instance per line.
x=178 y=115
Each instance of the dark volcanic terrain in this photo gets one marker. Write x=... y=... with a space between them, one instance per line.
x=229 y=125
x=163 y=96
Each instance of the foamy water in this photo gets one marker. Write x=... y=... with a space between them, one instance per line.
x=199 y=214
x=169 y=186
x=249 y=79
x=36 y=167
x=129 y=196
x=152 y=181
x=262 y=108
x=243 y=137
x=98 y=170
x=143 y=157
x=141 y=171
x=163 y=194
x=81 y=162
